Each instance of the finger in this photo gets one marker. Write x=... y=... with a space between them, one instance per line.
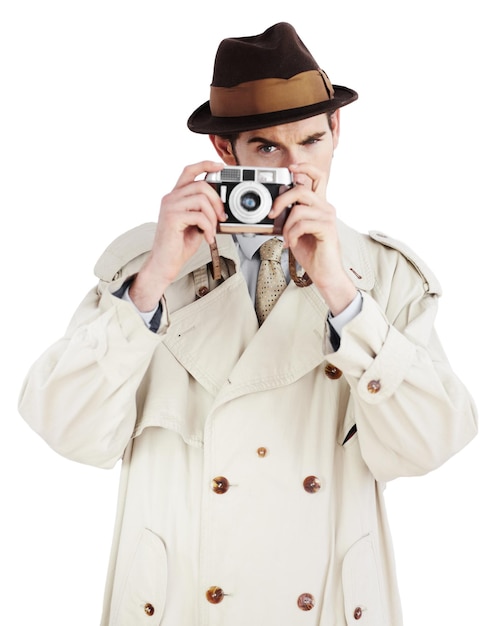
x=204 y=189
x=194 y=211
x=293 y=232
x=318 y=220
x=191 y=172
x=192 y=224
x=317 y=177
x=194 y=194
x=203 y=226
x=292 y=198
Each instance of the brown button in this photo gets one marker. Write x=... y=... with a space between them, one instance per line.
x=215 y=595
x=305 y=601
x=220 y=484
x=311 y=484
x=262 y=452
x=358 y=613
x=374 y=386
x=332 y=371
x=202 y=291
x=148 y=608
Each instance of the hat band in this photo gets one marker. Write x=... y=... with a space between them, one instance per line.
x=271 y=94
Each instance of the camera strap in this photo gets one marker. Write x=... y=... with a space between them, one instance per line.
x=215 y=260
x=201 y=275
x=300 y=281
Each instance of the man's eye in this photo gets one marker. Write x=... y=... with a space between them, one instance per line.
x=268 y=149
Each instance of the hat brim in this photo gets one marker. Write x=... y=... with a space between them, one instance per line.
x=202 y=121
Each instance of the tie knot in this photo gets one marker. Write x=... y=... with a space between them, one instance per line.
x=271 y=250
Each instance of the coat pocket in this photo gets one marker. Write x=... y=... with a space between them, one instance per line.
x=362 y=593
x=143 y=594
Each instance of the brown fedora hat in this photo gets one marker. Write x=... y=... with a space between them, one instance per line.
x=266 y=80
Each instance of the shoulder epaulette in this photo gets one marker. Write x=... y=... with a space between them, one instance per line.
x=432 y=285
x=124 y=249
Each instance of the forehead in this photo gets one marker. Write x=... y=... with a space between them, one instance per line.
x=293 y=131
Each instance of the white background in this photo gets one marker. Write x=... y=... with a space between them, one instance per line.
x=94 y=101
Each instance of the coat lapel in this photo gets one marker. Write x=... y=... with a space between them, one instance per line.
x=218 y=341
x=286 y=347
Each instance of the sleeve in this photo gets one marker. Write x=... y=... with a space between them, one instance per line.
x=336 y=324
x=80 y=395
x=410 y=409
x=152 y=319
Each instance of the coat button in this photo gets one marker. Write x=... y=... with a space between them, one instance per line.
x=215 y=595
x=202 y=291
x=220 y=484
x=374 y=386
x=358 y=613
x=149 y=609
x=262 y=452
x=332 y=371
x=305 y=601
x=311 y=484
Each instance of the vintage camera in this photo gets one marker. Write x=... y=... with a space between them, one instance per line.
x=247 y=194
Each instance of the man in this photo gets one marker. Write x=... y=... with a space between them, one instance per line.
x=255 y=451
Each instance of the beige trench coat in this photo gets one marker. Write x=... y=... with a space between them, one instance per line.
x=254 y=461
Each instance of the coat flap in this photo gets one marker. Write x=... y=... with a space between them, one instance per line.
x=209 y=335
x=217 y=339
x=431 y=283
x=128 y=246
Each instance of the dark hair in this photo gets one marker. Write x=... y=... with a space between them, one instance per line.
x=232 y=137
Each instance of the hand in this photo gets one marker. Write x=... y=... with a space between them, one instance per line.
x=311 y=233
x=188 y=214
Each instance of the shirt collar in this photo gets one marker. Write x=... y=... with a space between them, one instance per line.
x=249 y=244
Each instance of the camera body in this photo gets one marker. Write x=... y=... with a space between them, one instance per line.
x=248 y=194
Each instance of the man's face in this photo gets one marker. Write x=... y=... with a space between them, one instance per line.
x=306 y=141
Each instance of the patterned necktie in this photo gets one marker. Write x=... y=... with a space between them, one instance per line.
x=271 y=280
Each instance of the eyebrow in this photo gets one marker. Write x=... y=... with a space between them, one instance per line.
x=270 y=142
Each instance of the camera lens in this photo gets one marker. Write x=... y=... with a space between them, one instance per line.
x=250 y=201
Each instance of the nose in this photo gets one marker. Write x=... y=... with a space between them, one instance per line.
x=290 y=156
